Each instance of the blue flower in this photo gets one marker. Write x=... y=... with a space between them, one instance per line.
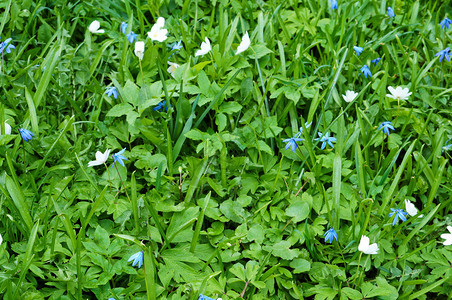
x=111 y=90
x=386 y=126
x=160 y=106
x=292 y=143
x=399 y=213
x=446 y=22
x=118 y=157
x=324 y=138
x=6 y=46
x=177 y=46
x=123 y=27
x=365 y=70
x=202 y=297
x=27 y=135
x=446 y=146
x=376 y=61
x=443 y=53
x=333 y=4
x=391 y=14
x=330 y=235
x=111 y=299
x=132 y=37
x=137 y=259
x=358 y=50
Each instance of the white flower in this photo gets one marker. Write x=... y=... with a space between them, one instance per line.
x=139 y=50
x=244 y=44
x=365 y=247
x=398 y=93
x=157 y=33
x=94 y=27
x=349 y=96
x=410 y=208
x=101 y=158
x=172 y=68
x=7 y=128
x=447 y=236
x=1 y=239
x=205 y=48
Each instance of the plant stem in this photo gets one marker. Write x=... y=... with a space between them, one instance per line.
x=357 y=270
x=141 y=71
x=122 y=183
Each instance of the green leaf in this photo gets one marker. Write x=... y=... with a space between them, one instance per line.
x=298 y=211
x=351 y=293
x=259 y=51
x=300 y=265
x=282 y=250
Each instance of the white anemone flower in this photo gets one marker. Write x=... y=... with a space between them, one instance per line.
x=365 y=247
x=101 y=158
x=410 y=208
x=139 y=50
x=447 y=237
x=7 y=128
x=245 y=44
x=205 y=48
x=157 y=33
x=398 y=93
x=94 y=27
x=349 y=96
x=172 y=68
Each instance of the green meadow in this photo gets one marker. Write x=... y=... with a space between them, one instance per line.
x=233 y=149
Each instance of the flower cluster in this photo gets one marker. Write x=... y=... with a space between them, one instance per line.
x=292 y=142
x=7 y=46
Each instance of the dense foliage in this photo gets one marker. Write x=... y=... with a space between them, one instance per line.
x=313 y=161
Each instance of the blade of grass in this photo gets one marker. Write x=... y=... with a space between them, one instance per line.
x=396 y=179
x=28 y=258
x=17 y=195
x=214 y=101
x=198 y=226
x=424 y=221
x=195 y=180
x=188 y=125
x=133 y=186
x=32 y=112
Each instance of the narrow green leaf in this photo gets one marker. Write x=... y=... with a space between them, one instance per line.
x=198 y=226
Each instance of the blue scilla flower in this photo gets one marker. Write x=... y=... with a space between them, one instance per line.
x=386 y=126
x=123 y=27
x=444 y=54
x=177 y=46
x=160 y=106
x=399 y=213
x=333 y=4
x=365 y=70
x=7 y=46
x=391 y=14
x=118 y=157
x=329 y=235
x=137 y=258
x=292 y=143
x=325 y=138
x=446 y=22
x=202 y=297
x=358 y=50
x=111 y=90
x=376 y=61
x=446 y=146
x=132 y=37
x=27 y=135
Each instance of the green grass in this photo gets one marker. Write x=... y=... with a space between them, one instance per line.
x=208 y=192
